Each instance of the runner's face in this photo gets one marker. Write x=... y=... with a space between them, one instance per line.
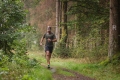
x=48 y=30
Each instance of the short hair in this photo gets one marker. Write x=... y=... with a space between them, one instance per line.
x=49 y=28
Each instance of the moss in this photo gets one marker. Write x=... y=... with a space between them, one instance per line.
x=105 y=62
x=115 y=60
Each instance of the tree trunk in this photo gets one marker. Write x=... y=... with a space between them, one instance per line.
x=57 y=20
x=60 y=18
x=113 y=28
x=64 y=23
x=119 y=25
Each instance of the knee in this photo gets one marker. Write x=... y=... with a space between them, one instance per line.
x=47 y=53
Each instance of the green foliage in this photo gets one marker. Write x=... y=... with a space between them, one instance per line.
x=24 y=61
x=62 y=51
x=12 y=16
x=3 y=59
x=33 y=38
x=114 y=61
x=38 y=73
x=88 y=23
x=89 y=48
x=105 y=62
x=22 y=68
x=96 y=71
x=15 y=33
x=65 y=73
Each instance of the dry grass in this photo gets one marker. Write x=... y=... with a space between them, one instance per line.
x=41 y=54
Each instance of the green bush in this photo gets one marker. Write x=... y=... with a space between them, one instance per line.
x=22 y=68
x=3 y=59
x=88 y=48
x=62 y=51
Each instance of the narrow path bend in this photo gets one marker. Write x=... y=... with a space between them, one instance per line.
x=76 y=76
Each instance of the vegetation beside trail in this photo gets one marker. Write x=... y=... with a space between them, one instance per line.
x=22 y=68
x=99 y=71
x=88 y=38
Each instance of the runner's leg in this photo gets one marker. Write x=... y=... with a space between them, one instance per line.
x=48 y=56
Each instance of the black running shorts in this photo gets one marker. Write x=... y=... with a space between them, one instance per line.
x=49 y=48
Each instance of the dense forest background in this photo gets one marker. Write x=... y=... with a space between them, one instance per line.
x=87 y=26
x=85 y=29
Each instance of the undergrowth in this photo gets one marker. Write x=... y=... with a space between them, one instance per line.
x=22 y=68
x=97 y=71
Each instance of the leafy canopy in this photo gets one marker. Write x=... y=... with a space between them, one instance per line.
x=12 y=25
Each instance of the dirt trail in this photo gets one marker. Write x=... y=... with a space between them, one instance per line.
x=57 y=76
x=76 y=76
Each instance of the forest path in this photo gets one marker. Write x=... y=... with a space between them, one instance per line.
x=59 y=72
x=77 y=76
x=72 y=75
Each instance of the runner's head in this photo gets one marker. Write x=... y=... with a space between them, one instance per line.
x=48 y=29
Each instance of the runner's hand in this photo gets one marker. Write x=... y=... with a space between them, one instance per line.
x=49 y=40
x=41 y=44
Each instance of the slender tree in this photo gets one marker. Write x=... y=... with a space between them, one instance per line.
x=114 y=28
x=119 y=25
x=57 y=19
x=64 y=34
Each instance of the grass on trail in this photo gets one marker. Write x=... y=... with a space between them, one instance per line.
x=96 y=71
x=65 y=73
x=38 y=74
x=92 y=70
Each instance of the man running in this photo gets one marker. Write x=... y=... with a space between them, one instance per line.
x=50 y=38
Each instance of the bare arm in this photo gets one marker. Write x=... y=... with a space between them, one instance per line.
x=41 y=41
x=54 y=40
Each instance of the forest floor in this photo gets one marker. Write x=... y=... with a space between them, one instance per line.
x=77 y=76
x=59 y=73
x=75 y=69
